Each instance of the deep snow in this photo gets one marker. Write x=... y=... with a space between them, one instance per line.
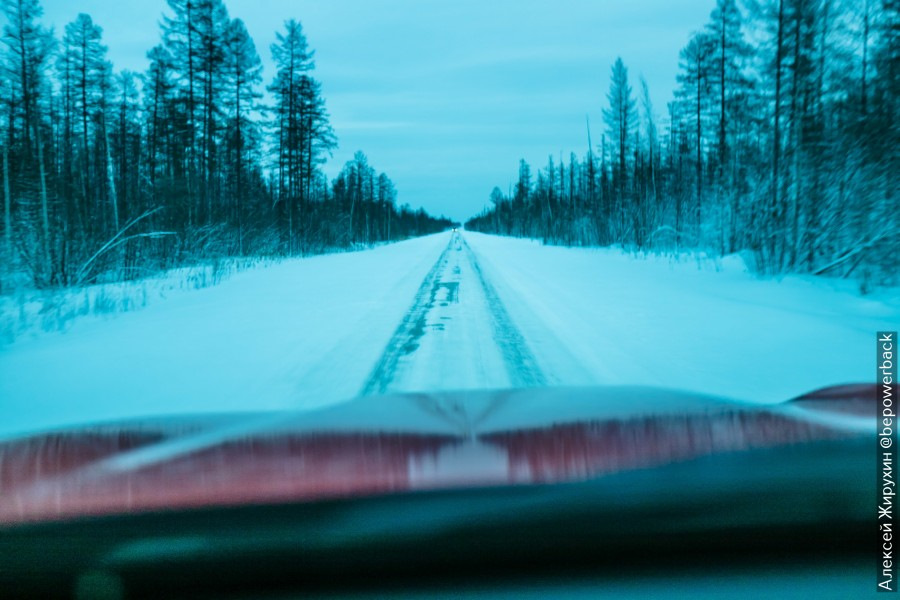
x=310 y=332
x=600 y=316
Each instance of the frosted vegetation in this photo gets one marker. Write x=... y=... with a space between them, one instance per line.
x=781 y=143
x=27 y=312
x=114 y=175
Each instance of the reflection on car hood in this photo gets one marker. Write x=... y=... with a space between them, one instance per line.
x=385 y=444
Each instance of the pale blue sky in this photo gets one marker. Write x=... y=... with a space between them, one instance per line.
x=446 y=97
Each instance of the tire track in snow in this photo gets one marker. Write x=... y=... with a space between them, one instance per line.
x=521 y=365
x=411 y=328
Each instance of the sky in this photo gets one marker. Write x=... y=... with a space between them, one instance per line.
x=446 y=97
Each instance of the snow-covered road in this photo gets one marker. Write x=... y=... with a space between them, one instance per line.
x=444 y=312
x=457 y=334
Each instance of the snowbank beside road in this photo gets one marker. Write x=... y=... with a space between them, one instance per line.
x=600 y=316
x=27 y=313
x=295 y=334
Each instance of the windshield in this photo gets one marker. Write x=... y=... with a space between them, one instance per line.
x=228 y=208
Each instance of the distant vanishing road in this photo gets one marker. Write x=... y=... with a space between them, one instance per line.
x=457 y=333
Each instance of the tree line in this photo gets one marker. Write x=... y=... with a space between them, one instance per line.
x=108 y=175
x=780 y=143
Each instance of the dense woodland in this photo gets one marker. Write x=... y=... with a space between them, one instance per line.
x=110 y=175
x=781 y=143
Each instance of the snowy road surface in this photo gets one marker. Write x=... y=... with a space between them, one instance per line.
x=471 y=341
x=445 y=312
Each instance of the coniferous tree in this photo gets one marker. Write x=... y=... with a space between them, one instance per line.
x=25 y=60
x=784 y=149
x=620 y=122
x=243 y=71
x=303 y=133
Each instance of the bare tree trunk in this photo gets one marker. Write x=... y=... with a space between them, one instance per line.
x=309 y=175
x=45 y=210
x=352 y=207
x=699 y=151
x=291 y=169
x=281 y=162
x=110 y=176
x=154 y=138
x=722 y=98
x=776 y=166
x=865 y=59
x=190 y=115
x=84 y=115
x=796 y=124
x=7 y=204
x=240 y=169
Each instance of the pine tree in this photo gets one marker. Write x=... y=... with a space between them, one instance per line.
x=694 y=92
x=730 y=54
x=181 y=41
x=243 y=71
x=302 y=129
x=160 y=114
x=83 y=62
x=28 y=48
x=620 y=119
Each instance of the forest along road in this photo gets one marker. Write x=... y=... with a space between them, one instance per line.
x=457 y=334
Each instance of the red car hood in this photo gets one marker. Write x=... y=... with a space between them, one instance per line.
x=386 y=444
